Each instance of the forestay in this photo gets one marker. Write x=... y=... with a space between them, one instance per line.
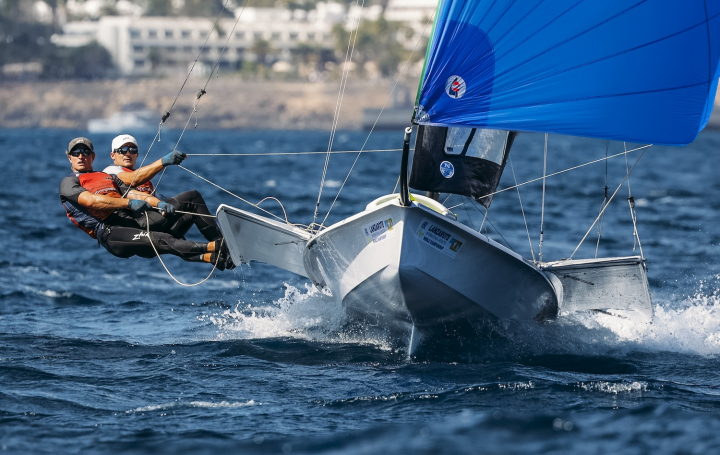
x=636 y=71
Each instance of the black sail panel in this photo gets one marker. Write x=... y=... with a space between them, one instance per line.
x=464 y=161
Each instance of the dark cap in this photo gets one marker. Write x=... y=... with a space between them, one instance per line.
x=80 y=141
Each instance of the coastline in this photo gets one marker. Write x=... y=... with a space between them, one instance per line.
x=230 y=103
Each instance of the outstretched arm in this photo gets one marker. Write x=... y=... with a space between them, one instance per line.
x=146 y=173
x=165 y=208
x=102 y=202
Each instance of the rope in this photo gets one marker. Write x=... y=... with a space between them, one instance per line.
x=257 y=206
x=168 y=112
x=522 y=210
x=291 y=153
x=627 y=175
x=338 y=104
x=397 y=80
x=203 y=90
x=147 y=218
x=195 y=214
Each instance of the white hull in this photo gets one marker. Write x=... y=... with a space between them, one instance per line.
x=399 y=267
x=404 y=277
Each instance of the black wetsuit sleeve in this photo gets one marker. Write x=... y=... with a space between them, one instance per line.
x=70 y=189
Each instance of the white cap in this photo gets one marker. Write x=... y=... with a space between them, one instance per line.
x=122 y=140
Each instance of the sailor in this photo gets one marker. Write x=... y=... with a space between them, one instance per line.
x=124 y=153
x=94 y=202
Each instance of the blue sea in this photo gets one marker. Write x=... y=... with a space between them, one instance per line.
x=107 y=355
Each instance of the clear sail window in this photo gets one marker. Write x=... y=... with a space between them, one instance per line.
x=480 y=143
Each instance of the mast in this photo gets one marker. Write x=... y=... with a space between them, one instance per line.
x=404 y=188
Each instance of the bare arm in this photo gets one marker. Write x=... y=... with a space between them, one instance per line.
x=101 y=202
x=142 y=175
x=150 y=199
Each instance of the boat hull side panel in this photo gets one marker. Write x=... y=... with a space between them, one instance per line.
x=404 y=277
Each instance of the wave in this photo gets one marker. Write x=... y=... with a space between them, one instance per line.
x=689 y=325
x=194 y=404
x=305 y=314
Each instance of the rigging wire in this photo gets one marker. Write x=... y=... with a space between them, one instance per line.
x=257 y=206
x=644 y=147
x=169 y=111
x=631 y=203
x=397 y=80
x=491 y=224
x=602 y=219
x=522 y=210
x=291 y=153
x=627 y=175
x=542 y=213
x=338 y=104
x=215 y=70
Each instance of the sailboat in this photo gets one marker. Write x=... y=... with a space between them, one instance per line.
x=640 y=71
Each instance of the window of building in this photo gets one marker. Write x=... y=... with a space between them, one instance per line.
x=138 y=49
x=240 y=35
x=293 y=36
x=152 y=33
x=187 y=49
x=239 y=50
x=186 y=33
x=170 y=48
x=134 y=33
x=203 y=34
x=139 y=63
x=310 y=36
x=276 y=35
x=169 y=33
x=258 y=35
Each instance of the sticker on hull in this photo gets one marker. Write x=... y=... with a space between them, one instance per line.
x=379 y=230
x=439 y=238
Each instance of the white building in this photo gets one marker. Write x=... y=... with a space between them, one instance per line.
x=140 y=45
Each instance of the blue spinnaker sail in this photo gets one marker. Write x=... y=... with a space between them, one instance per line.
x=629 y=70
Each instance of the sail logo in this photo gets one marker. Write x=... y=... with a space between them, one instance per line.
x=378 y=231
x=438 y=238
x=447 y=169
x=455 y=87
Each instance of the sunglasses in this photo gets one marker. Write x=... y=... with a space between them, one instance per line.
x=78 y=152
x=127 y=149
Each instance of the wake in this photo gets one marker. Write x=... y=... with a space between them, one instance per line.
x=689 y=325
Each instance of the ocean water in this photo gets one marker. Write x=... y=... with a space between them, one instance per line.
x=106 y=355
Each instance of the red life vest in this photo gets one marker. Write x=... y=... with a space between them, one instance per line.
x=99 y=183
x=145 y=187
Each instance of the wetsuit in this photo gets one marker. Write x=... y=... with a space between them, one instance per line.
x=177 y=224
x=119 y=231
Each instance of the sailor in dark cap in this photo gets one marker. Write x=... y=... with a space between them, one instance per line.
x=94 y=202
